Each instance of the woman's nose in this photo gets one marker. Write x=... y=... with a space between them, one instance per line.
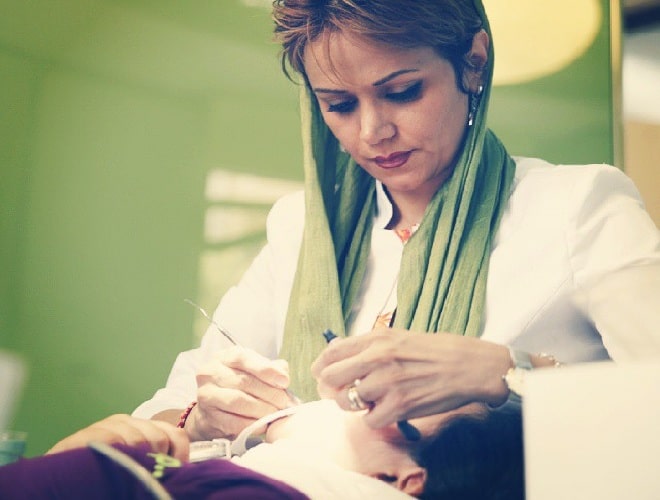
x=375 y=126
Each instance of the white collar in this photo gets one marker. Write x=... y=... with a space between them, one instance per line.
x=384 y=208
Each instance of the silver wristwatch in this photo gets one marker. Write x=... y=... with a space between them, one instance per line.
x=515 y=376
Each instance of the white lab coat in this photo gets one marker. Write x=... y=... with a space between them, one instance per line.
x=574 y=271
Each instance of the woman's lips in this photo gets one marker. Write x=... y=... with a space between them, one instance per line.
x=394 y=160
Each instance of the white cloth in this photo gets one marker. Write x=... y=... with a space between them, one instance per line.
x=314 y=475
x=311 y=466
x=565 y=231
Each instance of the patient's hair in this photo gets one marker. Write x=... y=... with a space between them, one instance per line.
x=476 y=456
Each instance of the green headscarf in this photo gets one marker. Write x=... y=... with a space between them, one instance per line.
x=442 y=279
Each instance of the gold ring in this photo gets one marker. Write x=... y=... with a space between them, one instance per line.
x=355 y=401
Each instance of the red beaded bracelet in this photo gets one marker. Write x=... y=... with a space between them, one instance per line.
x=185 y=414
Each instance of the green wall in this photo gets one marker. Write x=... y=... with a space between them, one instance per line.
x=113 y=113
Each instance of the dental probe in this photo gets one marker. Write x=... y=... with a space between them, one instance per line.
x=231 y=339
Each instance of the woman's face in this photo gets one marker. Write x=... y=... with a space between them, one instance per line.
x=343 y=438
x=346 y=439
x=398 y=112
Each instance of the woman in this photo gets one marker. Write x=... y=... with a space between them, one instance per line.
x=416 y=220
x=320 y=451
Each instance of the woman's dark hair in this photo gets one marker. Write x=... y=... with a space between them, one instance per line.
x=446 y=25
x=476 y=457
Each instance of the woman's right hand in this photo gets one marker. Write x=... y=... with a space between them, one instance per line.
x=235 y=388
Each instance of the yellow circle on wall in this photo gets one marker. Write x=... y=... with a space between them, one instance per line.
x=534 y=38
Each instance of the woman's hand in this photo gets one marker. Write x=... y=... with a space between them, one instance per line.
x=124 y=429
x=406 y=375
x=234 y=389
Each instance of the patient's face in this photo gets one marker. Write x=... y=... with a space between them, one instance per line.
x=344 y=437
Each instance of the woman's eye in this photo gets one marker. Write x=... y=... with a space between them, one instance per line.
x=342 y=107
x=386 y=477
x=409 y=94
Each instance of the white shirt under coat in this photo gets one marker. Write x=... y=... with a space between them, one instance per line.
x=574 y=272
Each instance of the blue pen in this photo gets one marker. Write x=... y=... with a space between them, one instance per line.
x=329 y=336
x=409 y=431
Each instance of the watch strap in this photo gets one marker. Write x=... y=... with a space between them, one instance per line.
x=514 y=377
x=520 y=359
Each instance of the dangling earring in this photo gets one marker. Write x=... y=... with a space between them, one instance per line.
x=475 y=97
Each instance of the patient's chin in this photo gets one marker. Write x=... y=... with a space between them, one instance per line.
x=313 y=422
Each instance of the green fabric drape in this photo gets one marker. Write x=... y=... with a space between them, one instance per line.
x=442 y=279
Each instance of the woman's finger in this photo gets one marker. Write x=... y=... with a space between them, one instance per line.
x=375 y=352
x=224 y=376
x=224 y=412
x=233 y=378
x=271 y=372
x=236 y=387
x=340 y=349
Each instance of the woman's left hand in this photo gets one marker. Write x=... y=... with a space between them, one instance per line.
x=125 y=429
x=407 y=375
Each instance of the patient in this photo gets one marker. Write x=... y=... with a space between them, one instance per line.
x=472 y=452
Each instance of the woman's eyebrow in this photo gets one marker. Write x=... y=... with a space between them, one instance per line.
x=319 y=90
x=377 y=83
x=394 y=75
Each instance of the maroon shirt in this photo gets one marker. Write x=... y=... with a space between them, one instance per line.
x=84 y=473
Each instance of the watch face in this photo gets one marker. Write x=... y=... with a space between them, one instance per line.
x=515 y=379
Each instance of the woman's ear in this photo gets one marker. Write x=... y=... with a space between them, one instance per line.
x=412 y=480
x=477 y=60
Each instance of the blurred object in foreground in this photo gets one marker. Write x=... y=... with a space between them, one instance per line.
x=12 y=377
x=591 y=432
x=12 y=446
